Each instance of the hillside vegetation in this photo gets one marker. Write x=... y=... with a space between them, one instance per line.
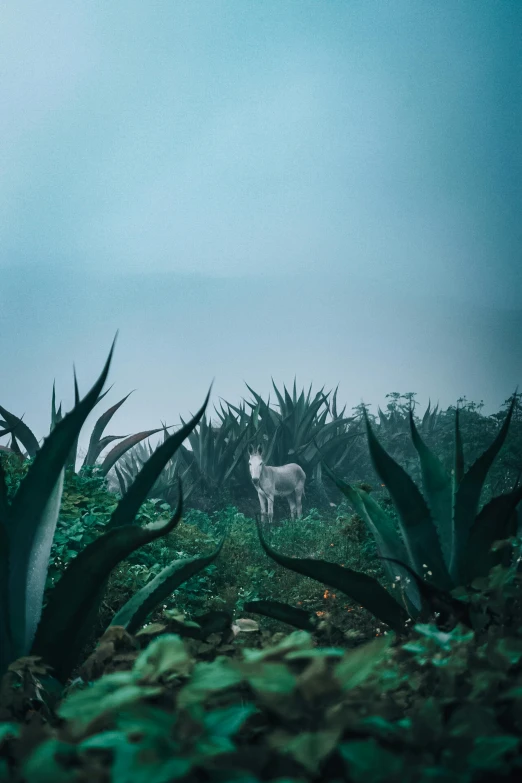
x=153 y=628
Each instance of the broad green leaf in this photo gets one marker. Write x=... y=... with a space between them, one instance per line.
x=227 y=721
x=44 y=764
x=357 y=665
x=488 y=752
x=438 y=600
x=207 y=678
x=369 y=762
x=312 y=748
x=165 y=657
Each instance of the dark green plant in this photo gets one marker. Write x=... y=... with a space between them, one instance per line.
x=20 y=432
x=215 y=453
x=443 y=541
x=165 y=487
x=27 y=527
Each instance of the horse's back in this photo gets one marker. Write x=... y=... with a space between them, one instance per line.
x=288 y=477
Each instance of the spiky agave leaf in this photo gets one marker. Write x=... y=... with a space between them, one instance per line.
x=64 y=628
x=31 y=521
x=285 y=613
x=71 y=459
x=134 y=613
x=468 y=492
x=95 y=442
x=118 y=451
x=497 y=521
x=21 y=431
x=358 y=586
x=131 y=502
x=437 y=599
x=417 y=528
x=438 y=490
x=389 y=544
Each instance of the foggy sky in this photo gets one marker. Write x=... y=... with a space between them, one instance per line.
x=242 y=187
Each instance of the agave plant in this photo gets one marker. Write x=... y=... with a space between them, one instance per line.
x=165 y=488
x=443 y=542
x=396 y=423
x=293 y=432
x=19 y=431
x=215 y=453
x=27 y=526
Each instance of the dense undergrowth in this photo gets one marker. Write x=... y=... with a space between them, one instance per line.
x=243 y=572
x=202 y=689
x=250 y=701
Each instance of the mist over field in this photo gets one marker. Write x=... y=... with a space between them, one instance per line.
x=253 y=190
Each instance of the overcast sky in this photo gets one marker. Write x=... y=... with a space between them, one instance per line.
x=331 y=189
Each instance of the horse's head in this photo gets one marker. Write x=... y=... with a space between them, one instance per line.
x=255 y=463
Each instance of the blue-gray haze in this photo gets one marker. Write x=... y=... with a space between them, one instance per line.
x=246 y=189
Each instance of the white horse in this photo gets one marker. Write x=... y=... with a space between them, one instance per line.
x=287 y=481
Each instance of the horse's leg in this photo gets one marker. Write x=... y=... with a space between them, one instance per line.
x=291 y=503
x=299 y=499
x=270 y=499
x=262 y=502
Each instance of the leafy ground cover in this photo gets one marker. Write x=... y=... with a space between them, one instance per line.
x=207 y=690
x=243 y=572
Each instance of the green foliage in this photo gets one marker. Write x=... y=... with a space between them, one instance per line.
x=441 y=706
x=436 y=533
x=20 y=432
x=28 y=523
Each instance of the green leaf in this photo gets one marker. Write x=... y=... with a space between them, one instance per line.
x=37 y=575
x=285 y=613
x=207 y=678
x=488 y=752
x=227 y=721
x=440 y=600
x=32 y=520
x=134 y=613
x=21 y=431
x=164 y=658
x=358 y=586
x=106 y=697
x=468 y=493
x=358 y=664
x=458 y=468
x=495 y=522
x=63 y=628
x=368 y=762
x=119 y=450
x=131 y=502
x=417 y=528
x=43 y=765
x=437 y=485
x=95 y=447
x=312 y=748
x=389 y=545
